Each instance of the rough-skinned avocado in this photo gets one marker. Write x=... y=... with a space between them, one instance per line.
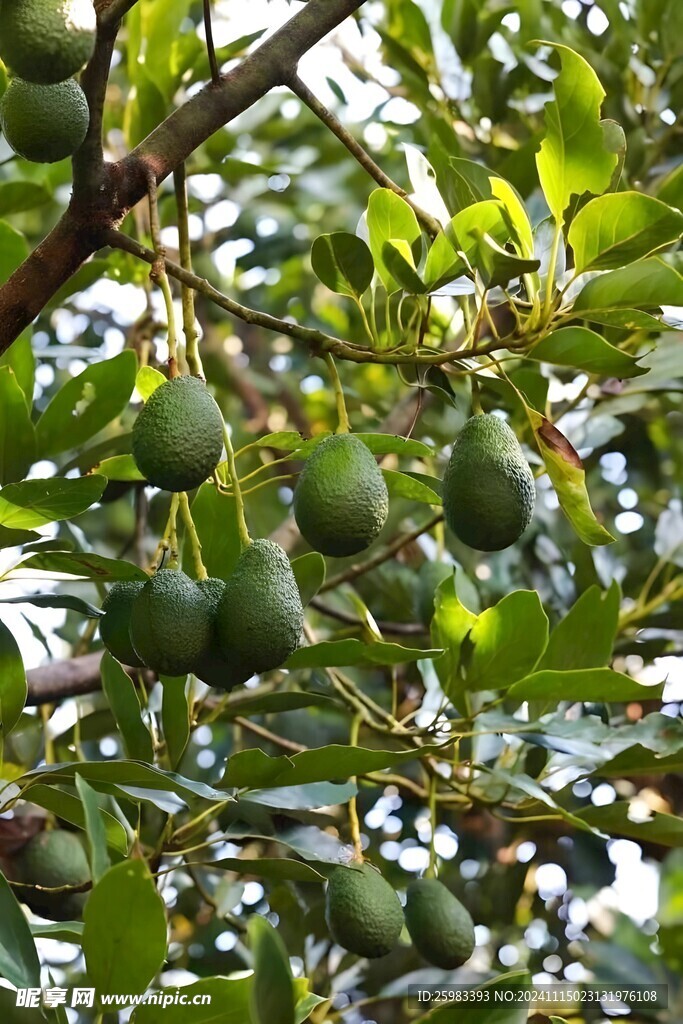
x=488 y=487
x=260 y=616
x=440 y=927
x=53 y=859
x=341 y=501
x=115 y=623
x=47 y=41
x=178 y=435
x=362 y=911
x=44 y=123
x=212 y=667
x=171 y=623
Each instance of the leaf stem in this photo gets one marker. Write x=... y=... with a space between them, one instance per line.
x=552 y=267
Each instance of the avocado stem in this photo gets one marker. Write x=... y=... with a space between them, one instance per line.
x=195 y=543
x=172 y=531
x=354 y=823
x=242 y=528
x=431 y=869
x=344 y=425
x=159 y=276
x=476 y=398
x=194 y=361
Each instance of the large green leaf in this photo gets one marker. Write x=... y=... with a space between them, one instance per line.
x=585 y=636
x=624 y=819
x=497 y=658
x=488 y=1010
x=70 y=808
x=389 y=217
x=583 y=349
x=13 y=686
x=645 y=284
x=124 y=938
x=215 y=519
x=124 y=702
x=272 y=992
x=87 y=403
x=175 y=716
x=100 y=861
x=85 y=565
x=228 y=1003
x=590 y=684
x=407 y=485
x=451 y=624
x=17 y=434
x=19 y=963
x=573 y=159
x=343 y=262
x=309 y=573
x=33 y=503
x=620 y=227
x=277 y=869
x=333 y=653
x=20 y=359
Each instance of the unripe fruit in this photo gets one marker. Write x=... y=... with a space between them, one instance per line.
x=47 y=41
x=171 y=623
x=53 y=859
x=115 y=623
x=439 y=925
x=213 y=668
x=362 y=911
x=44 y=123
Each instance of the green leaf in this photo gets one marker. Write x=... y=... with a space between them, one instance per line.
x=17 y=434
x=87 y=403
x=19 y=963
x=18 y=196
x=392 y=444
x=124 y=702
x=566 y=472
x=443 y=263
x=516 y=213
x=333 y=653
x=32 y=503
x=625 y=819
x=85 y=565
x=277 y=703
x=13 y=250
x=497 y=657
x=343 y=262
x=591 y=684
x=302 y=798
x=272 y=992
x=254 y=768
x=20 y=359
x=404 y=485
x=175 y=717
x=498 y=266
x=469 y=226
x=147 y=381
x=389 y=217
x=95 y=829
x=585 y=350
x=309 y=573
x=15 y=538
x=585 y=636
x=645 y=284
x=68 y=807
x=13 y=686
x=119 y=467
x=74 y=604
x=451 y=623
x=620 y=227
x=63 y=931
x=215 y=519
x=228 y=1003
x=573 y=159
x=124 y=938
x=276 y=869
x=398 y=259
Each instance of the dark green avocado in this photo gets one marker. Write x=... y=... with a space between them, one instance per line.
x=115 y=623
x=171 y=623
x=362 y=910
x=440 y=927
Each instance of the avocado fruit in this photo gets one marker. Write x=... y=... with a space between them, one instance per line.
x=362 y=911
x=260 y=616
x=178 y=435
x=488 y=487
x=115 y=623
x=47 y=41
x=212 y=667
x=171 y=623
x=440 y=927
x=52 y=859
x=341 y=501
x=44 y=123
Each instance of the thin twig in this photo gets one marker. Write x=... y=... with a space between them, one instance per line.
x=194 y=361
x=211 y=50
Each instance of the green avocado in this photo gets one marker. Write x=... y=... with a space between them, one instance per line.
x=260 y=616
x=53 y=859
x=440 y=927
x=47 y=41
x=44 y=123
x=178 y=435
x=488 y=487
x=362 y=911
x=341 y=501
x=212 y=667
x=115 y=623
x=171 y=623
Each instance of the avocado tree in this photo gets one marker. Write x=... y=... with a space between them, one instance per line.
x=340 y=515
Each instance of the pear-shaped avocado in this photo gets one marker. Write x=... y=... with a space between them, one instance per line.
x=260 y=617
x=178 y=435
x=212 y=667
x=440 y=927
x=341 y=501
x=115 y=623
x=53 y=859
x=171 y=623
x=488 y=487
x=362 y=911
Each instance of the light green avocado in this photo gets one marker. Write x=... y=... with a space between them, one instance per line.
x=115 y=623
x=47 y=41
x=260 y=616
x=44 y=123
x=488 y=487
x=212 y=667
x=341 y=501
x=178 y=435
x=53 y=859
x=440 y=927
x=171 y=623
x=362 y=911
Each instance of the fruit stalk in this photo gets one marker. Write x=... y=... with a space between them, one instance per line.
x=354 y=823
x=431 y=870
x=194 y=361
x=196 y=544
x=344 y=425
x=159 y=276
x=242 y=528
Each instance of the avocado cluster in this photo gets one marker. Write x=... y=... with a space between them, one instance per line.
x=44 y=114
x=224 y=631
x=364 y=915
x=488 y=486
x=51 y=860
